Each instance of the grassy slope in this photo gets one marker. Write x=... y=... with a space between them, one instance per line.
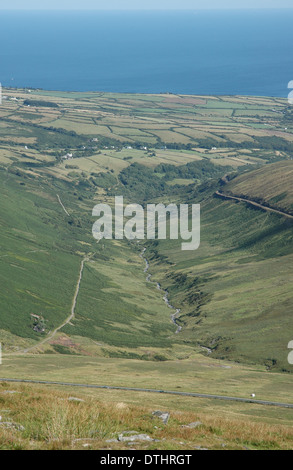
x=41 y=252
x=234 y=291
x=42 y=419
x=116 y=306
x=37 y=266
x=271 y=185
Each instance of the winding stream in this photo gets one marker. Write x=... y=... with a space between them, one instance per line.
x=166 y=294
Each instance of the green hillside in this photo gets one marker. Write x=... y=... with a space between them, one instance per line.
x=270 y=185
x=67 y=152
x=234 y=292
x=41 y=252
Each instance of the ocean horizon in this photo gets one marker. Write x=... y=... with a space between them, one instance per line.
x=239 y=52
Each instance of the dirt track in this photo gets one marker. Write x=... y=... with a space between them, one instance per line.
x=53 y=333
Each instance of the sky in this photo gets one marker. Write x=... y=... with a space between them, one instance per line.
x=141 y=4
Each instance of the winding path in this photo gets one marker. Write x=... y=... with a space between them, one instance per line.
x=68 y=320
x=62 y=205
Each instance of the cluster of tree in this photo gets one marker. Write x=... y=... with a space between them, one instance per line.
x=288 y=115
x=140 y=182
x=35 y=164
x=174 y=145
x=103 y=180
x=39 y=103
x=145 y=183
x=198 y=170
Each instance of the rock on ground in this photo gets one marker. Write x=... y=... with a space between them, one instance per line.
x=163 y=415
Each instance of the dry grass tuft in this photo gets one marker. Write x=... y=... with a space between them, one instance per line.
x=47 y=419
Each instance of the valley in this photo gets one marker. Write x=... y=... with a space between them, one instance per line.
x=145 y=313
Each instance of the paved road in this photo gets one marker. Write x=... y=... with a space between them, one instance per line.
x=253 y=203
x=168 y=392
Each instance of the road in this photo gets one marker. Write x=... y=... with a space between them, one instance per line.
x=253 y=203
x=147 y=390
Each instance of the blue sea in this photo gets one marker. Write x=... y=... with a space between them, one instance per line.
x=204 y=52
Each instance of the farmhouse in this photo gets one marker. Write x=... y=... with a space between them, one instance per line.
x=68 y=156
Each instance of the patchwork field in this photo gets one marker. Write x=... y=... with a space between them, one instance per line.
x=83 y=122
